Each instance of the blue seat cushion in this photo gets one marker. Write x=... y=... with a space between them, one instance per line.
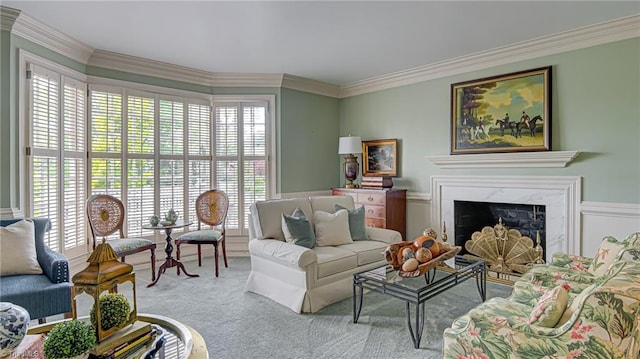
x=128 y=244
x=37 y=294
x=201 y=235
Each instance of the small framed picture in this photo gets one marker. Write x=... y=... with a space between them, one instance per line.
x=380 y=158
x=506 y=113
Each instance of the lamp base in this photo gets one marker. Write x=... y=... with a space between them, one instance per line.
x=350 y=185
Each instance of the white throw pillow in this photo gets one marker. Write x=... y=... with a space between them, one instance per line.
x=18 y=249
x=332 y=229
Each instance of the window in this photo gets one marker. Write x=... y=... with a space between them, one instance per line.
x=241 y=157
x=157 y=152
x=152 y=150
x=56 y=161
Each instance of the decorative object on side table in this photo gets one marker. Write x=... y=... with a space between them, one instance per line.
x=70 y=339
x=14 y=322
x=154 y=220
x=348 y=146
x=170 y=218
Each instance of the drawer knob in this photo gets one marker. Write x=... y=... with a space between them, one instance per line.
x=370 y=211
x=370 y=199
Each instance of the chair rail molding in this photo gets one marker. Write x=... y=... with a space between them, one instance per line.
x=516 y=159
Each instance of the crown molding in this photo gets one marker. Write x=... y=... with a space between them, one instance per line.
x=8 y=17
x=616 y=30
x=504 y=160
x=50 y=38
x=308 y=85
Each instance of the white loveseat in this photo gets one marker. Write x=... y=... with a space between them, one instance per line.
x=303 y=279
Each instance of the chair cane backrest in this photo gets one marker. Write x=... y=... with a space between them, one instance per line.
x=106 y=216
x=211 y=207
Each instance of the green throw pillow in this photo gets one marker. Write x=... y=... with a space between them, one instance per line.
x=356 y=223
x=300 y=230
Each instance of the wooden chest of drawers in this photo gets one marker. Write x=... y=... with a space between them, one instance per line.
x=384 y=208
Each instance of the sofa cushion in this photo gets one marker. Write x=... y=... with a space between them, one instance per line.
x=299 y=229
x=550 y=307
x=356 y=223
x=332 y=260
x=18 y=249
x=605 y=255
x=269 y=215
x=327 y=203
x=332 y=229
x=285 y=229
x=366 y=251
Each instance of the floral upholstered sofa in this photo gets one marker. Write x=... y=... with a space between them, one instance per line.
x=560 y=310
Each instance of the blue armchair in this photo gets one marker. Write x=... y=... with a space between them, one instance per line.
x=44 y=294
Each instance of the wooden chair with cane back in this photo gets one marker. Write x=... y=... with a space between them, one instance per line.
x=211 y=210
x=106 y=216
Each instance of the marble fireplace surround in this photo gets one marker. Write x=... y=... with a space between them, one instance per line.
x=561 y=195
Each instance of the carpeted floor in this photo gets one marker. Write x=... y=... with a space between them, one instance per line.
x=238 y=324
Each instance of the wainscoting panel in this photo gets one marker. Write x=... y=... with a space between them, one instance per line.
x=600 y=219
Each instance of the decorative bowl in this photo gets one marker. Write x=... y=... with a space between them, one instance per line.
x=167 y=223
x=391 y=255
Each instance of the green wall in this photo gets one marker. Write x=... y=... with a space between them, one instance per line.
x=6 y=135
x=595 y=110
x=309 y=141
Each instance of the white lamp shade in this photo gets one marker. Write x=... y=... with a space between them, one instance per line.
x=350 y=144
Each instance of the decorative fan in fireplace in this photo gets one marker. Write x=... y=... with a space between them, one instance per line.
x=505 y=250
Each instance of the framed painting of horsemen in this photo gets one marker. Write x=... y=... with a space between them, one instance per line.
x=506 y=113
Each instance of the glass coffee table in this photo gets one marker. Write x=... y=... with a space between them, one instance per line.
x=417 y=290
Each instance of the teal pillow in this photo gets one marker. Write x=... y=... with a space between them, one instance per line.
x=300 y=230
x=356 y=223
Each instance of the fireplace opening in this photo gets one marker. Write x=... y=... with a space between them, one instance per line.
x=472 y=217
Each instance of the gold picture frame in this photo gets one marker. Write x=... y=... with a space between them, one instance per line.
x=481 y=110
x=380 y=158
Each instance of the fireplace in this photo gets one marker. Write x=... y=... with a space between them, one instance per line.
x=559 y=195
x=470 y=217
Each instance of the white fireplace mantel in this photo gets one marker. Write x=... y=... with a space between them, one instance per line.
x=514 y=159
x=559 y=194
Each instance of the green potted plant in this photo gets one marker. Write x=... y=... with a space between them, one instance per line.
x=114 y=311
x=69 y=339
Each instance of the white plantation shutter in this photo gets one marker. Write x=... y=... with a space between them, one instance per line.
x=140 y=203
x=172 y=149
x=241 y=157
x=45 y=149
x=198 y=173
x=74 y=164
x=57 y=163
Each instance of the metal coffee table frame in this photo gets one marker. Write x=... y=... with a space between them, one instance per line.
x=373 y=279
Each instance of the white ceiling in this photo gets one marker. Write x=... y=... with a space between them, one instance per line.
x=332 y=41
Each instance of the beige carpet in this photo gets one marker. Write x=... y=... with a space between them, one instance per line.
x=238 y=324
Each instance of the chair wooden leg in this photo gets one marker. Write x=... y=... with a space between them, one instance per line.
x=178 y=254
x=224 y=252
x=215 y=255
x=153 y=265
x=199 y=256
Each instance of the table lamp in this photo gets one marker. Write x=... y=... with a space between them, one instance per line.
x=348 y=146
